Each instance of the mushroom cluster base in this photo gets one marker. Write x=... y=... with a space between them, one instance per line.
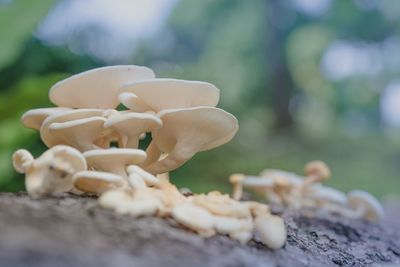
x=75 y=231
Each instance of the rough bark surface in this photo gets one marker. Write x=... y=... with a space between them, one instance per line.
x=74 y=231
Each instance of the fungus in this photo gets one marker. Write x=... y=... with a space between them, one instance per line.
x=316 y=171
x=114 y=160
x=132 y=125
x=137 y=174
x=51 y=172
x=34 y=118
x=96 y=88
x=133 y=102
x=363 y=205
x=97 y=182
x=161 y=94
x=188 y=131
x=271 y=229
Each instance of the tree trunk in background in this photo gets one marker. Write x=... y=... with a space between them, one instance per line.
x=74 y=231
x=279 y=78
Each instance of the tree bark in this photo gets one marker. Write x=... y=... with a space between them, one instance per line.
x=74 y=231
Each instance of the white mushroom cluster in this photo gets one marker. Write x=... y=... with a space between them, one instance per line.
x=289 y=190
x=182 y=118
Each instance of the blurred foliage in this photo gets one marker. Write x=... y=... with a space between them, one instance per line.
x=266 y=57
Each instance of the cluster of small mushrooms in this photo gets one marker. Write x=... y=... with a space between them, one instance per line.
x=288 y=190
x=93 y=149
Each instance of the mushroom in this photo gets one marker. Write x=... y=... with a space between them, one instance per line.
x=271 y=229
x=96 y=88
x=188 y=131
x=363 y=205
x=51 y=172
x=316 y=171
x=160 y=94
x=80 y=134
x=97 y=182
x=140 y=178
x=114 y=160
x=194 y=218
x=50 y=139
x=139 y=202
x=132 y=125
x=133 y=102
x=34 y=118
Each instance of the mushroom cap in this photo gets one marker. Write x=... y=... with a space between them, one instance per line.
x=45 y=134
x=96 y=88
x=97 y=182
x=70 y=154
x=148 y=178
x=160 y=94
x=133 y=102
x=358 y=199
x=22 y=160
x=133 y=124
x=277 y=175
x=271 y=229
x=192 y=130
x=195 y=218
x=317 y=168
x=34 y=118
x=112 y=159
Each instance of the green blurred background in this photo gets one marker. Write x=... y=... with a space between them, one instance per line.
x=307 y=79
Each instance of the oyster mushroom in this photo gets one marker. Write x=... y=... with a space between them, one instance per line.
x=53 y=137
x=51 y=172
x=271 y=229
x=194 y=218
x=97 y=182
x=34 y=118
x=139 y=202
x=96 y=88
x=316 y=171
x=188 y=131
x=139 y=178
x=363 y=205
x=114 y=160
x=160 y=94
x=131 y=125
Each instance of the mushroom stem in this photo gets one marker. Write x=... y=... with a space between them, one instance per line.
x=237 y=182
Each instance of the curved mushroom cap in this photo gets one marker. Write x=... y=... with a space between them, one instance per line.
x=277 y=175
x=133 y=102
x=97 y=182
x=34 y=118
x=73 y=156
x=188 y=131
x=96 y=88
x=317 y=169
x=148 y=178
x=361 y=200
x=114 y=160
x=162 y=94
x=132 y=125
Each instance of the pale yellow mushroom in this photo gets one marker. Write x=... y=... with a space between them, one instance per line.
x=271 y=229
x=34 y=118
x=96 y=182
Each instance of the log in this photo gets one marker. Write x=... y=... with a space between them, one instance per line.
x=74 y=231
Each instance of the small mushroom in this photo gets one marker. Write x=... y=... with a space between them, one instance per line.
x=96 y=88
x=236 y=180
x=80 y=134
x=160 y=94
x=363 y=205
x=188 y=131
x=51 y=139
x=51 y=172
x=271 y=229
x=194 y=218
x=114 y=160
x=316 y=171
x=97 y=182
x=139 y=177
x=133 y=102
x=139 y=202
x=22 y=160
x=132 y=125
x=34 y=118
